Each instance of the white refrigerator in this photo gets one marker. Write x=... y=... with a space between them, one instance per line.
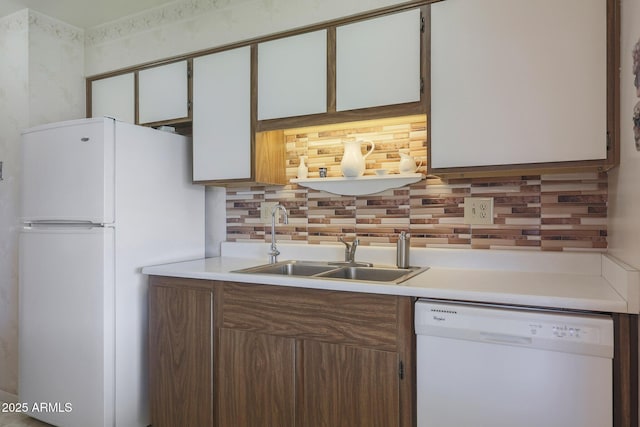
x=100 y=200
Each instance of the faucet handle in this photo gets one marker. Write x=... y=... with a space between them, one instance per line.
x=274 y=252
x=352 y=251
x=347 y=244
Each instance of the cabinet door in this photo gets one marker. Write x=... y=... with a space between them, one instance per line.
x=346 y=386
x=180 y=357
x=518 y=81
x=114 y=97
x=222 y=115
x=256 y=379
x=378 y=61
x=163 y=93
x=292 y=76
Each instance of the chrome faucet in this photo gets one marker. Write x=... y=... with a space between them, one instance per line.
x=274 y=252
x=350 y=250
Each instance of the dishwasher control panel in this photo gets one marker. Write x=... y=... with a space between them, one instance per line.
x=567 y=331
x=553 y=330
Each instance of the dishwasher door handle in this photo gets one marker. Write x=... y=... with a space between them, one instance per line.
x=505 y=338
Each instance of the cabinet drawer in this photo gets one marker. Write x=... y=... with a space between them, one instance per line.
x=332 y=316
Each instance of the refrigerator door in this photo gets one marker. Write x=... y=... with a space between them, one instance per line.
x=68 y=172
x=66 y=337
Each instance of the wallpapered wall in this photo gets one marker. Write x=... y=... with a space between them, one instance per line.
x=41 y=81
x=14 y=107
x=539 y=212
x=624 y=200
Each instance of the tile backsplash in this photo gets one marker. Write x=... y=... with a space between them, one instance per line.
x=537 y=212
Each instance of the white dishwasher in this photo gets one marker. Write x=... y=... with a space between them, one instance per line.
x=495 y=366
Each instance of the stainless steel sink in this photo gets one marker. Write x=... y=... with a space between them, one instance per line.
x=372 y=274
x=289 y=268
x=338 y=271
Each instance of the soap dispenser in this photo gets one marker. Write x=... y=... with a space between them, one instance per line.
x=402 y=250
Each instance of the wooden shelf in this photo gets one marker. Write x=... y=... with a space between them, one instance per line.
x=358 y=186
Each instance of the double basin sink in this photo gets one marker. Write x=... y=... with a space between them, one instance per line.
x=337 y=271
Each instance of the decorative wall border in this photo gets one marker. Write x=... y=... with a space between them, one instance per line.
x=15 y=22
x=23 y=19
x=58 y=29
x=152 y=19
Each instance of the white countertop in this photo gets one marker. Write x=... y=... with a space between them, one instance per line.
x=575 y=281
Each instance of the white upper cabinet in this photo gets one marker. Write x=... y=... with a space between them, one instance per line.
x=222 y=115
x=163 y=92
x=378 y=61
x=114 y=97
x=518 y=82
x=292 y=76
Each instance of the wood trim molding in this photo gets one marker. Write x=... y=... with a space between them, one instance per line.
x=254 y=106
x=89 y=99
x=136 y=89
x=386 y=111
x=425 y=63
x=613 y=81
x=625 y=370
x=524 y=169
x=408 y=385
x=331 y=70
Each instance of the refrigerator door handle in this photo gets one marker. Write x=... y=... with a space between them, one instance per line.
x=61 y=225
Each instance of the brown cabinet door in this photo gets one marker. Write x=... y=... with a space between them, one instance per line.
x=180 y=357
x=256 y=379
x=345 y=386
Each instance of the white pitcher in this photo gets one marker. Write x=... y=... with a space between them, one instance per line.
x=353 y=163
x=408 y=163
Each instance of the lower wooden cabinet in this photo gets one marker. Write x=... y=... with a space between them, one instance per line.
x=231 y=355
x=348 y=386
x=281 y=356
x=256 y=379
x=180 y=356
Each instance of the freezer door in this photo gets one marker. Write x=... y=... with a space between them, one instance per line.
x=66 y=337
x=68 y=172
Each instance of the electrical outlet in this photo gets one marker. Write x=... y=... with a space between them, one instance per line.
x=478 y=210
x=265 y=212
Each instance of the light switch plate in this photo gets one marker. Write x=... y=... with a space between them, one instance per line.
x=265 y=212
x=478 y=210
